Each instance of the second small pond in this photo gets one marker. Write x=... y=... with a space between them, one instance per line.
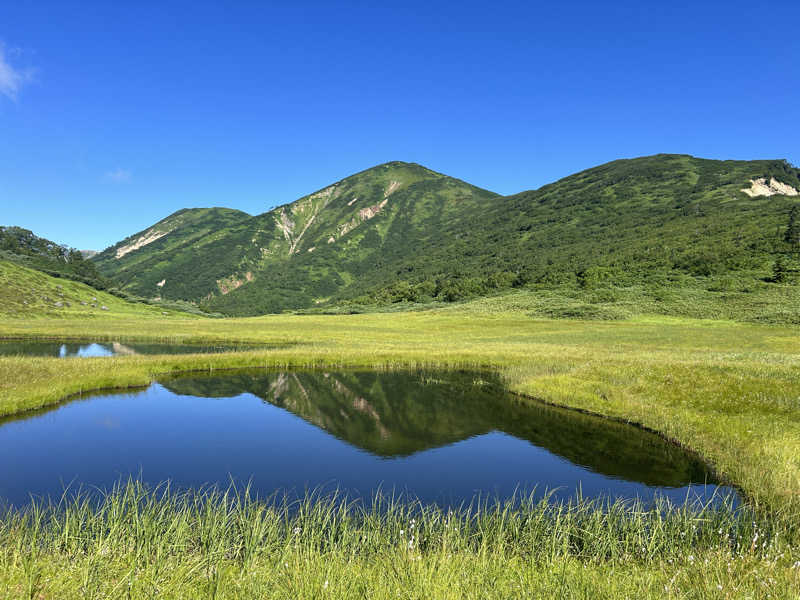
x=67 y=349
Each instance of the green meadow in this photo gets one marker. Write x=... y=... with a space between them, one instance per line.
x=729 y=391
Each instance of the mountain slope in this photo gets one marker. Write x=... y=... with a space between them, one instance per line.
x=23 y=247
x=298 y=253
x=170 y=250
x=401 y=232
x=27 y=293
x=650 y=220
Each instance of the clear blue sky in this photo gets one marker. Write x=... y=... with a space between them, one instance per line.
x=115 y=114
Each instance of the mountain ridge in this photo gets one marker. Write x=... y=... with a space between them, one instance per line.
x=399 y=231
x=311 y=224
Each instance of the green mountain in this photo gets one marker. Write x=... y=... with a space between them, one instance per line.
x=401 y=232
x=21 y=246
x=649 y=219
x=298 y=254
x=177 y=249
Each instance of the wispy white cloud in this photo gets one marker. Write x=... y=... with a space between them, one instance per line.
x=12 y=79
x=119 y=175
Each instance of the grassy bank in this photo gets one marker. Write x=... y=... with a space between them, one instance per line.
x=727 y=390
x=27 y=293
x=141 y=544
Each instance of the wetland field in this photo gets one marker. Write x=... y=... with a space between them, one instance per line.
x=309 y=301
x=429 y=401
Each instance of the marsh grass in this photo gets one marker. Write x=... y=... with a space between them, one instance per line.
x=726 y=390
x=156 y=542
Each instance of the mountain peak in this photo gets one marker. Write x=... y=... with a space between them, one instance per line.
x=399 y=231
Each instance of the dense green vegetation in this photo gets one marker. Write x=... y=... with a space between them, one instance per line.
x=628 y=232
x=179 y=250
x=651 y=231
x=294 y=255
x=141 y=544
x=23 y=247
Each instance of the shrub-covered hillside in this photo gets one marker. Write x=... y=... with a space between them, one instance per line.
x=402 y=233
x=173 y=250
x=666 y=221
x=299 y=254
x=23 y=247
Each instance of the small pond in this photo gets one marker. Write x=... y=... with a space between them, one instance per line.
x=92 y=349
x=440 y=437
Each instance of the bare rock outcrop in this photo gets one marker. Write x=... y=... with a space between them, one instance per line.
x=760 y=187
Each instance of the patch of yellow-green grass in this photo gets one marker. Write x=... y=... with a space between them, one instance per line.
x=140 y=544
x=728 y=390
x=340 y=575
x=30 y=294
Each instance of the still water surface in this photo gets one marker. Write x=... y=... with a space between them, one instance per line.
x=92 y=349
x=440 y=437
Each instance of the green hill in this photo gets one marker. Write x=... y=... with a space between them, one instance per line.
x=298 y=254
x=23 y=247
x=664 y=220
x=175 y=250
x=28 y=293
x=402 y=233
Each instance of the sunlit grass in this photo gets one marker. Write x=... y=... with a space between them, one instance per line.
x=730 y=391
x=137 y=542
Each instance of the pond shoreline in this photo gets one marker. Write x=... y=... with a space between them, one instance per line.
x=413 y=416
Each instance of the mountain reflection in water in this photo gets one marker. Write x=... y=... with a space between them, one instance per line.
x=392 y=414
x=438 y=436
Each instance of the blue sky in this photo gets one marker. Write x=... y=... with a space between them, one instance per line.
x=115 y=114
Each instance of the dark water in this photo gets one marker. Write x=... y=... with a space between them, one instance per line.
x=436 y=436
x=87 y=349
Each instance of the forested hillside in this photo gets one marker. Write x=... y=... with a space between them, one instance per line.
x=402 y=233
x=654 y=220
x=295 y=255
x=21 y=246
x=173 y=248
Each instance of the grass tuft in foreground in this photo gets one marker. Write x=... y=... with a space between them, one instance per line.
x=141 y=542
